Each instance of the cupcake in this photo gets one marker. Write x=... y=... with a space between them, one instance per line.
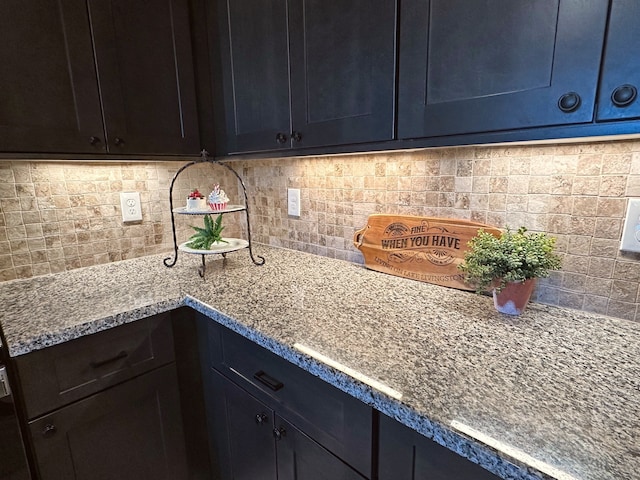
x=218 y=199
x=196 y=201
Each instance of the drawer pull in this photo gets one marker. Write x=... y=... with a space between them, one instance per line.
x=115 y=358
x=268 y=380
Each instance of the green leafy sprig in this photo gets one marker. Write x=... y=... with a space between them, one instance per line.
x=210 y=234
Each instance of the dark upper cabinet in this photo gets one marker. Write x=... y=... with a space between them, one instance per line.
x=468 y=66
x=621 y=68
x=99 y=76
x=49 y=99
x=255 y=74
x=305 y=73
x=145 y=74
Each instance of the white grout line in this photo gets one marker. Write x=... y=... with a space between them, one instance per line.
x=513 y=452
x=349 y=371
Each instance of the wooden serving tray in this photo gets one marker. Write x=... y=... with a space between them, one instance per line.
x=427 y=249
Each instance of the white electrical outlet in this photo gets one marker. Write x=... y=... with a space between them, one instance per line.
x=631 y=232
x=293 y=202
x=130 y=205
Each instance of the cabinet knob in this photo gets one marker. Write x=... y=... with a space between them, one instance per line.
x=278 y=433
x=297 y=136
x=624 y=95
x=118 y=141
x=569 y=102
x=261 y=418
x=281 y=138
x=49 y=431
x=93 y=141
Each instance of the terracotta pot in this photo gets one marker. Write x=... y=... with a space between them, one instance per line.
x=513 y=298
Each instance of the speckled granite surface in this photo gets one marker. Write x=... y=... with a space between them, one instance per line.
x=557 y=389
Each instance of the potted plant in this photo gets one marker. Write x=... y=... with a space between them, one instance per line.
x=509 y=264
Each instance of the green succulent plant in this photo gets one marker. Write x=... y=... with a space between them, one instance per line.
x=492 y=262
x=205 y=237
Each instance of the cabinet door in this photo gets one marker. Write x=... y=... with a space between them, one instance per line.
x=48 y=93
x=129 y=432
x=406 y=455
x=255 y=75
x=145 y=70
x=468 y=66
x=243 y=429
x=299 y=457
x=342 y=71
x=621 y=70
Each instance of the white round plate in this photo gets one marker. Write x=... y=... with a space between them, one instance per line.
x=232 y=245
x=230 y=208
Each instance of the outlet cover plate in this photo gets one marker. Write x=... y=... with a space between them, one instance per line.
x=631 y=233
x=130 y=205
x=293 y=202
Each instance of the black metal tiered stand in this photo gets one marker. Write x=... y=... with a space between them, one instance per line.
x=171 y=261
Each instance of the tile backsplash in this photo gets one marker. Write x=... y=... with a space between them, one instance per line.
x=57 y=216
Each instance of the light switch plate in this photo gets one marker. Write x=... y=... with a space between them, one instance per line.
x=631 y=232
x=293 y=202
x=130 y=205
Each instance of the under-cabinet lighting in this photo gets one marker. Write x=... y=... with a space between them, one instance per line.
x=512 y=452
x=381 y=387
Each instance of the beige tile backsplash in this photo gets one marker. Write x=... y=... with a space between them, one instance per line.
x=57 y=216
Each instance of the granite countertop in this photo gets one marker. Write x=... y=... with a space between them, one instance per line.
x=554 y=393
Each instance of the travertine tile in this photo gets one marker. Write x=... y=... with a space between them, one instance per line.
x=575 y=192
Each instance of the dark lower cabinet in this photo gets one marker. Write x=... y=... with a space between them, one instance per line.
x=269 y=419
x=129 y=432
x=404 y=454
x=110 y=405
x=470 y=67
x=258 y=444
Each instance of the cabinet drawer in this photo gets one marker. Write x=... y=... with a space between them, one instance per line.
x=339 y=422
x=59 y=375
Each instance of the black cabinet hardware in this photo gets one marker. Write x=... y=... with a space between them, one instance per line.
x=49 y=430
x=624 y=95
x=279 y=432
x=115 y=358
x=569 y=102
x=268 y=380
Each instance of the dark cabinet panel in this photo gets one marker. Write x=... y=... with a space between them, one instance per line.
x=406 y=455
x=342 y=71
x=302 y=73
x=244 y=432
x=129 y=432
x=255 y=56
x=495 y=65
x=618 y=96
x=299 y=457
x=48 y=91
x=145 y=70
